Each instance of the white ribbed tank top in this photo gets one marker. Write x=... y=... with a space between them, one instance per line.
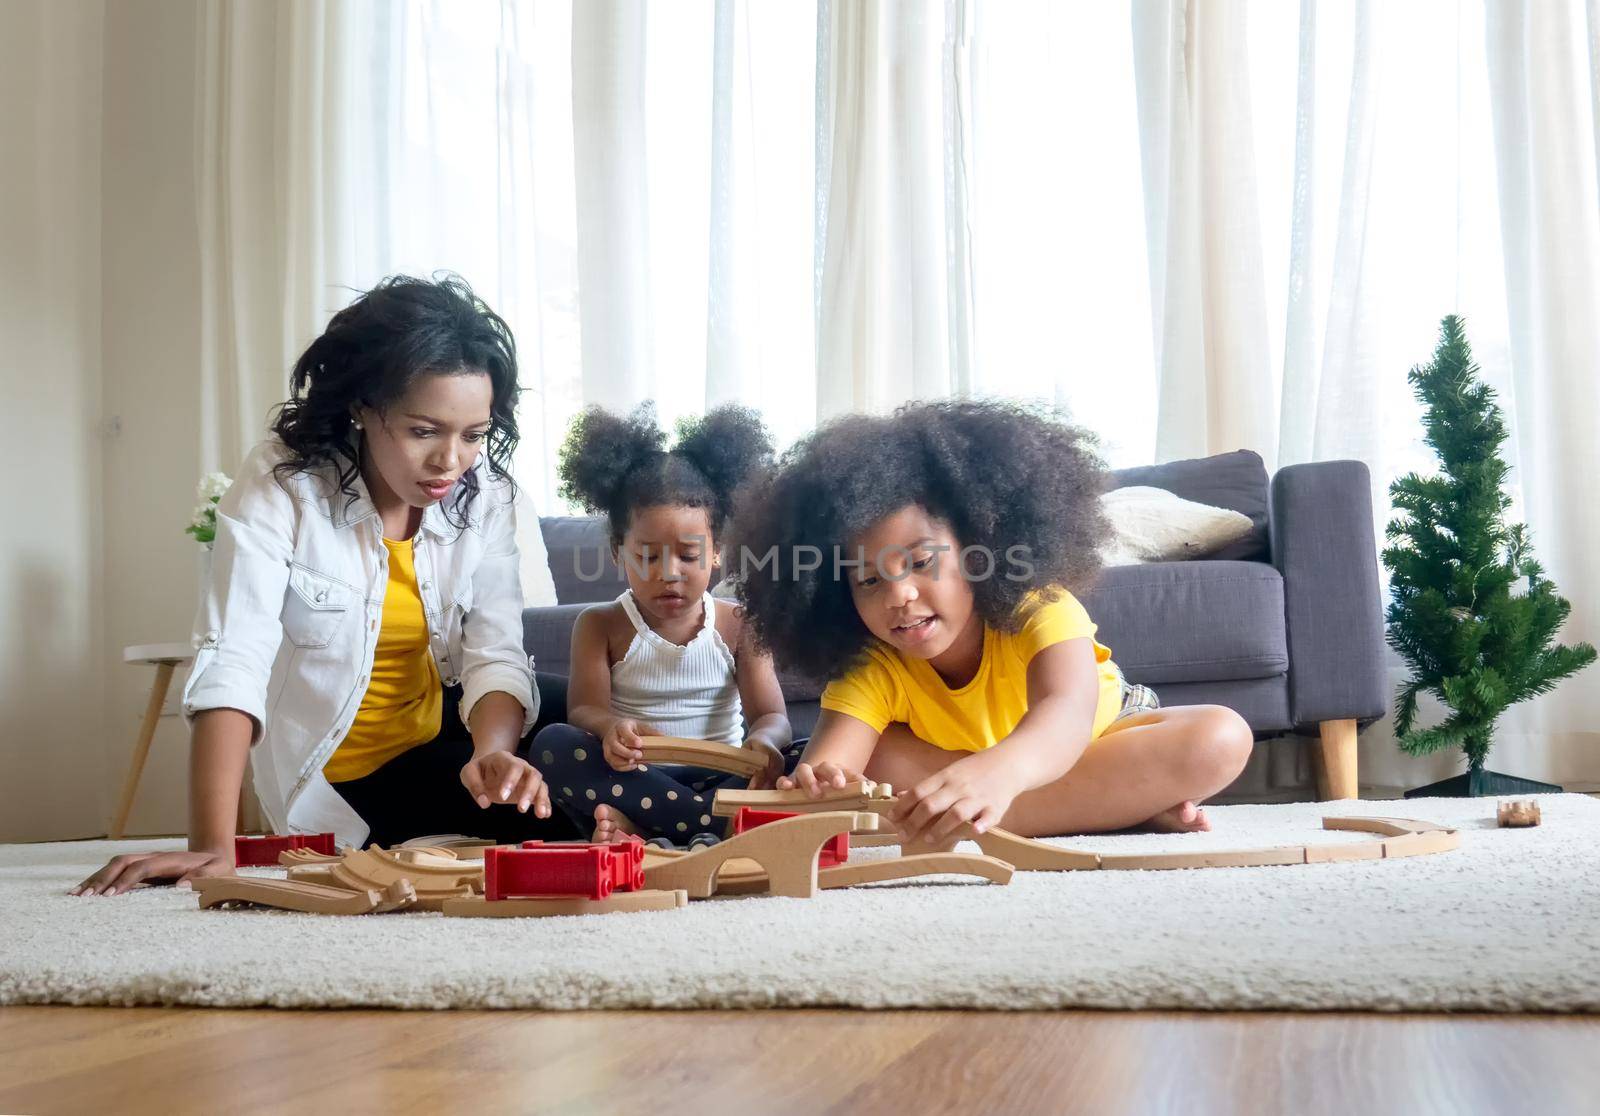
x=689 y=691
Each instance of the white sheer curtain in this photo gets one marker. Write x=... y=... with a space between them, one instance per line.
x=1544 y=84
x=1195 y=224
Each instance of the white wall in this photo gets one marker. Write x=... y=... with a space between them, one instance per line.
x=99 y=348
x=151 y=345
x=51 y=609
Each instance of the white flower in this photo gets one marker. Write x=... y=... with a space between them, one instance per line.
x=212 y=486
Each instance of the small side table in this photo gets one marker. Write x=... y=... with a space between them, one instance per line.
x=166 y=658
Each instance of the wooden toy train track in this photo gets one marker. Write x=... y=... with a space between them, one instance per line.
x=776 y=857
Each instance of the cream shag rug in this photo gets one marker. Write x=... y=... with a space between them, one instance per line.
x=1507 y=922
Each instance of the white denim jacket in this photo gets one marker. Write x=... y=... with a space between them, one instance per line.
x=289 y=617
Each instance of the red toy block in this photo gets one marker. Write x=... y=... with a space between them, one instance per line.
x=262 y=852
x=831 y=855
x=319 y=843
x=581 y=870
x=627 y=860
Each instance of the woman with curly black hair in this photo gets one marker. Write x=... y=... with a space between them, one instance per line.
x=923 y=564
x=664 y=658
x=363 y=589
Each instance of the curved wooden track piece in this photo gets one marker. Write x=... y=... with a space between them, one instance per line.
x=477 y=906
x=1389 y=827
x=291 y=895
x=423 y=854
x=445 y=841
x=315 y=874
x=702 y=753
x=1219 y=858
x=292 y=858
x=858 y=794
x=909 y=867
x=1400 y=837
x=1028 y=855
x=874 y=840
x=435 y=882
x=786 y=850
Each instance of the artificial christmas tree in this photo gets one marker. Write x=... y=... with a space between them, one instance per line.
x=1471 y=612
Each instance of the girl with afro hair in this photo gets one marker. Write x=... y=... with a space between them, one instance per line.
x=664 y=658
x=923 y=564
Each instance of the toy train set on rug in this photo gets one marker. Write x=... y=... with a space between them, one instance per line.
x=784 y=843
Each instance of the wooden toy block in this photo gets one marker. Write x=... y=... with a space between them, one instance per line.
x=1517 y=815
x=858 y=794
x=1334 y=854
x=786 y=850
x=908 y=867
x=1421 y=844
x=1218 y=858
x=478 y=907
x=703 y=753
x=834 y=853
x=291 y=895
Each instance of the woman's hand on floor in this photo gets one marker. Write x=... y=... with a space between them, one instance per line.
x=814 y=779
x=976 y=790
x=123 y=873
x=500 y=777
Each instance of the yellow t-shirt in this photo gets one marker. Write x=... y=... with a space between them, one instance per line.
x=404 y=704
x=890 y=688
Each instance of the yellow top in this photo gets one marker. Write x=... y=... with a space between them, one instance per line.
x=404 y=702
x=890 y=688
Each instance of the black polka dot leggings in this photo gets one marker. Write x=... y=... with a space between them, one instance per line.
x=661 y=800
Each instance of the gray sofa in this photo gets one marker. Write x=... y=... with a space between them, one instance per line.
x=1285 y=626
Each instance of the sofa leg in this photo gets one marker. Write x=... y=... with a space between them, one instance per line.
x=1336 y=761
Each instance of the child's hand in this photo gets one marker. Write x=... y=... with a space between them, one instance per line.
x=974 y=790
x=766 y=779
x=503 y=777
x=815 y=780
x=126 y=872
x=622 y=747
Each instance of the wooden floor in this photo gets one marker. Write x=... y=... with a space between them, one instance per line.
x=166 y=1060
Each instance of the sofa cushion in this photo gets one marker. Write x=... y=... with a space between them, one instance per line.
x=1235 y=480
x=1202 y=621
x=580 y=559
x=547 y=636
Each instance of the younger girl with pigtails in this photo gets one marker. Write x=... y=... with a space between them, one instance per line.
x=665 y=658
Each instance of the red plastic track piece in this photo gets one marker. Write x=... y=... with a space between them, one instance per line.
x=552 y=870
x=831 y=855
x=627 y=860
x=262 y=852
x=319 y=843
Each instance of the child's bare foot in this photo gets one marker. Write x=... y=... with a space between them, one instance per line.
x=1185 y=817
x=610 y=826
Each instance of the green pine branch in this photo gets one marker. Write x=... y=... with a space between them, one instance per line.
x=1471 y=611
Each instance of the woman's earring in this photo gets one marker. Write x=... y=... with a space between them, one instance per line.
x=357 y=424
